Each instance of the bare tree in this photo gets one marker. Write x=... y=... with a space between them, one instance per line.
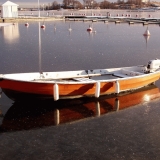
x=77 y=4
x=105 y=4
x=67 y=3
x=55 y=5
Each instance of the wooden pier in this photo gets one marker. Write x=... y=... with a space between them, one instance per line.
x=105 y=19
x=130 y=20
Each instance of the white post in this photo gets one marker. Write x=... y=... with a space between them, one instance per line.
x=92 y=8
x=40 y=52
x=38 y=9
x=97 y=90
x=43 y=10
x=117 y=87
x=56 y=92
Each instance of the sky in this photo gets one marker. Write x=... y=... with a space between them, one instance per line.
x=22 y=3
x=35 y=2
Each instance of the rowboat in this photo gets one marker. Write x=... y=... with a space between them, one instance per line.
x=22 y=114
x=81 y=83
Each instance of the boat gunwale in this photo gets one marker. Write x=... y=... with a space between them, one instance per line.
x=82 y=82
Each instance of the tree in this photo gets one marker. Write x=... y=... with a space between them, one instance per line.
x=77 y=5
x=55 y=5
x=68 y=3
x=72 y=4
x=105 y=4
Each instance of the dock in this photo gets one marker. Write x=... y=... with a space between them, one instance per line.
x=105 y=19
x=25 y=19
x=130 y=20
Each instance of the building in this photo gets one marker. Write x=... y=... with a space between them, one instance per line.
x=9 y=10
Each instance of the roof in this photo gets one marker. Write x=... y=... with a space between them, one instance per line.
x=9 y=3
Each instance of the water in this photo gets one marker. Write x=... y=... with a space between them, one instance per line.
x=113 y=45
x=71 y=129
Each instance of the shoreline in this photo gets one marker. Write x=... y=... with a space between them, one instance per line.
x=4 y=20
x=130 y=20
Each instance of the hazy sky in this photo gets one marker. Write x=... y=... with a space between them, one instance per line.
x=41 y=1
x=35 y=2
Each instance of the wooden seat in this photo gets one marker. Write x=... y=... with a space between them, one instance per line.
x=83 y=79
x=120 y=75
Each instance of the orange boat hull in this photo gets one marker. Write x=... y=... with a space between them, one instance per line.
x=72 y=90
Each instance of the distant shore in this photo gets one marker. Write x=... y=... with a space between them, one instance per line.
x=22 y=19
x=91 y=15
x=84 y=19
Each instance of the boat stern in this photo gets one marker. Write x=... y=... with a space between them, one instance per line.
x=153 y=65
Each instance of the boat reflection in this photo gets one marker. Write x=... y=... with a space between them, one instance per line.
x=28 y=115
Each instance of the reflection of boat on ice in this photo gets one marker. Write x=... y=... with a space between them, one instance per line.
x=24 y=115
x=74 y=84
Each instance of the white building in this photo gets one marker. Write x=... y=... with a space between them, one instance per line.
x=9 y=10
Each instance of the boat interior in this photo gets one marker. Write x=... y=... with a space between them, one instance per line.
x=81 y=76
x=122 y=73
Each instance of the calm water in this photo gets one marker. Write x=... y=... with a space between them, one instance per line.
x=30 y=130
x=113 y=45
